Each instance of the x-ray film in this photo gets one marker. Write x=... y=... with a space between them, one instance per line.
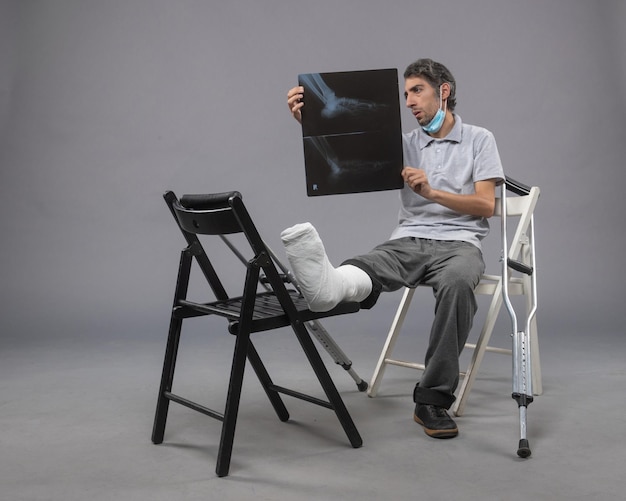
x=351 y=132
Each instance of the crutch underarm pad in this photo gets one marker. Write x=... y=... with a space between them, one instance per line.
x=516 y=187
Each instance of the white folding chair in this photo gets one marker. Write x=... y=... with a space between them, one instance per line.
x=521 y=251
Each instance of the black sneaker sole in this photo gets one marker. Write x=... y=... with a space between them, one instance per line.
x=451 y=433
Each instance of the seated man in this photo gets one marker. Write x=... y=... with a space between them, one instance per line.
x=451 y=174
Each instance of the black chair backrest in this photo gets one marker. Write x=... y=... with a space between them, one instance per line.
x=208 y=214
x=219 y=214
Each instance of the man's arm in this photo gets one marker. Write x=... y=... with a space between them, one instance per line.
x=480 y=203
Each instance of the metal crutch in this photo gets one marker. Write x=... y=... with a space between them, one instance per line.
x=522 y=366
x=314 y=326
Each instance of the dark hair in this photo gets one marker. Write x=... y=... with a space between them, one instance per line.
x=435 y=74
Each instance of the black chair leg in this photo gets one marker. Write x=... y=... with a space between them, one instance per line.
x=266 y=382
x=167 y=377
x=327 y=384
x=232 y=404
x=171 y=350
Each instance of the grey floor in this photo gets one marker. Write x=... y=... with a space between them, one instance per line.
x=76 y=414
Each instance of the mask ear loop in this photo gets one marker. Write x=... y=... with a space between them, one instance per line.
x=442 y=105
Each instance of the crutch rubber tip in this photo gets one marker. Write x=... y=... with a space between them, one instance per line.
x=362 y=386
x=524 y=450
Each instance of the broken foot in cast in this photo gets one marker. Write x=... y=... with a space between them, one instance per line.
x=322 y=285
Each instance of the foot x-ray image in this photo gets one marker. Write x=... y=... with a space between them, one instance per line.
x=351 y=131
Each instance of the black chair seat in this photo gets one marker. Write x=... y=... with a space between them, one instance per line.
x=267 y=313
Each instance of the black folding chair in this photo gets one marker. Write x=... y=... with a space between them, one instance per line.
x=222 y=214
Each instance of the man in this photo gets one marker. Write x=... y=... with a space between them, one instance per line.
x=451 y=173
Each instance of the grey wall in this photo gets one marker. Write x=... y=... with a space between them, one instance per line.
x=105 y=104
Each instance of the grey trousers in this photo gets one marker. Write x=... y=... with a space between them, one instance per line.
x=453 y=270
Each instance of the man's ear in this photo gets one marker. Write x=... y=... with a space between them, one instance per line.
x=445 y=90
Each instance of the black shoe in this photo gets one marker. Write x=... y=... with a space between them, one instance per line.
x=435 y=420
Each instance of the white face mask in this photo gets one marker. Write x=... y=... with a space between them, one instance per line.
x=436 y=123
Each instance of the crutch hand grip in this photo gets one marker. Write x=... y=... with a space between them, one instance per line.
x=519 y=266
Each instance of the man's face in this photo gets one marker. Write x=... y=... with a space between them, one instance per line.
x=421 y=98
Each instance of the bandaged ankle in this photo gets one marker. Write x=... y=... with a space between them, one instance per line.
x=357 y=284
x=322 y=285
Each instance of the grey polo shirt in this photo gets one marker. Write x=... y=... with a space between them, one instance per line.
x=466 y=155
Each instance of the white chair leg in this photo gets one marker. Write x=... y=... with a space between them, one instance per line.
x=390 y=342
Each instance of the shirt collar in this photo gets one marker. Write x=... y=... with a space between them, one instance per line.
x=455 y=135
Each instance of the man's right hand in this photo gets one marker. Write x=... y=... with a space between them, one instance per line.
x=295 y=103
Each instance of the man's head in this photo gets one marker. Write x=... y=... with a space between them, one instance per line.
x=436 y=74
